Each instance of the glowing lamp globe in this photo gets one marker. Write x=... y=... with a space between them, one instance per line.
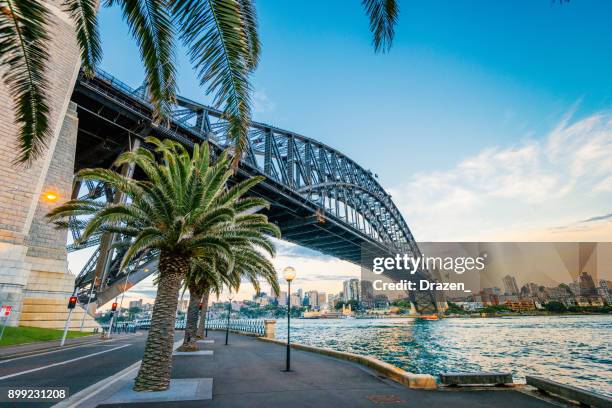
x=289 y=273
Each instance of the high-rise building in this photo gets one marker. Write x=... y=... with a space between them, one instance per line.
x=295 y=301
x=300 y=294
x=367 y=294
x=136 y=303
x=282 y=298
x=587 y=286
x=313 y=298
x=510 y=285
x=322 y=299
x=351 y=290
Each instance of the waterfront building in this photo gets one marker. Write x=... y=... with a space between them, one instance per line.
x=521 y=305
x=587 y=285
x=282 y=298
x=313 y=299
x=135 y=303
x=510 y=286
x=367 y=294
x=322 y=300
x=295 y=300
x=351 y=290
x=182 y=305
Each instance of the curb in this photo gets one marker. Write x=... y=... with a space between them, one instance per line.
x=410 y=380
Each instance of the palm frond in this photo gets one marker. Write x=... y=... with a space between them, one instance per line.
x=83 y=13
x=249 y=15
x=383 y=18
x=215 y=33
x=23 y=53
x=151 y=25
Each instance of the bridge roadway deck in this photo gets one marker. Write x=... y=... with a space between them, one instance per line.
x=248 y=373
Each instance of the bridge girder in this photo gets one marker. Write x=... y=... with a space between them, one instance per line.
x=314 y=185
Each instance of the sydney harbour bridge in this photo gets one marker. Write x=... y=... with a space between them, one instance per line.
x=320 y=198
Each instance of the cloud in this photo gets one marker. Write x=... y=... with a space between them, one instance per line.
x=598 y=218
x=261 y=102
x=551 y=180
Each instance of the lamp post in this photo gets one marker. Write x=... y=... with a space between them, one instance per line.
x=229 y=312
x=289 y=275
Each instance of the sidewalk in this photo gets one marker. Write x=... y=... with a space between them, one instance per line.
x=249 y=373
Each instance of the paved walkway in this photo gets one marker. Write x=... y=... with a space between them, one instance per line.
x=248 y=373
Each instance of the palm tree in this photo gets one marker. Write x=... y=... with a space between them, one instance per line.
x=221 y=38
x=183 y=210
x=246 y=263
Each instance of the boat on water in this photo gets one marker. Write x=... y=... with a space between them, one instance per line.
x=428 y=317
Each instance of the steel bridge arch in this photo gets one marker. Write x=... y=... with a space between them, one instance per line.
x=302 y=171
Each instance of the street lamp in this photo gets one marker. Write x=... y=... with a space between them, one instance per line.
x=229 y=312
x=289 y=275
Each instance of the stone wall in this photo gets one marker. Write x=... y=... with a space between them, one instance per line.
x=33 y=263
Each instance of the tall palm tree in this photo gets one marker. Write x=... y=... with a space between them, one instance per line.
x=182 y=209
x=221 y=38
x=246 y=262
x=250 y=231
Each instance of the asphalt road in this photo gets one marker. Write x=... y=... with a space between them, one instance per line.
x=75 y=368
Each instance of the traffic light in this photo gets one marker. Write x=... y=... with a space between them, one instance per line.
x=72 y=302
x=200 y=306
x=114 y=307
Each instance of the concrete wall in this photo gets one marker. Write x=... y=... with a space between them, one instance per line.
x=33 y=264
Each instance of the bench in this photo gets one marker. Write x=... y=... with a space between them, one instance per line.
x=479 y=378
x=568 y=392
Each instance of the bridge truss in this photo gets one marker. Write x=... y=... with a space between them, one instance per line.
x=320 y=198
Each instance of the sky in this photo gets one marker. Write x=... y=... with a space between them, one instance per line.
x=485 y=121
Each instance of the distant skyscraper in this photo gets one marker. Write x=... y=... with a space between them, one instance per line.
x=351 y=290
x=510 y=285
x=322 y=299
x=282 y=298
x=313 y=298
x=587 y=286
x=300 y=294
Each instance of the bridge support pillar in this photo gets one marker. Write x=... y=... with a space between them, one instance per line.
x=34 y=277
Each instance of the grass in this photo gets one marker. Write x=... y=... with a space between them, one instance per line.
x=23 y=335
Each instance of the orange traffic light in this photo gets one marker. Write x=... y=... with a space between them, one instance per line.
x=114 y=307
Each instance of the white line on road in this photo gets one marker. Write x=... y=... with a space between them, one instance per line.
x=97 y=343
x=62 y=362
x=81 y=398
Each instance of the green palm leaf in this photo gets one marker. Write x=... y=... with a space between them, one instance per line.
x=83 y=13
x=215 y=33
x=383 y=18
x=151 y=25
x=23 y=56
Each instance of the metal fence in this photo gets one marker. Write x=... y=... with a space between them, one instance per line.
x=252 y=326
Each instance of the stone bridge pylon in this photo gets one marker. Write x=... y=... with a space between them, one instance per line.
x=34 y=277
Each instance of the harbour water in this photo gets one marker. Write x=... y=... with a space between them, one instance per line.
x=575 y=350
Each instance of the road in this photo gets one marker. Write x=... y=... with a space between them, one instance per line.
x=75 y=368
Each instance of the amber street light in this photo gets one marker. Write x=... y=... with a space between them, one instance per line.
x=289 y=275
x=51 y=196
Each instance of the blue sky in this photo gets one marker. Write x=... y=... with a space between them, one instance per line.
x=486 y=120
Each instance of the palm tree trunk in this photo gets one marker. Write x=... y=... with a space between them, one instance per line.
x=191 y=325
x=156 y=367
x=202 y=323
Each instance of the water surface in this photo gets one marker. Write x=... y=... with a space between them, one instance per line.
x=575 y=350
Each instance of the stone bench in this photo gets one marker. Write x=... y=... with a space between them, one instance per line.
x=480 y=378
x=568 y=392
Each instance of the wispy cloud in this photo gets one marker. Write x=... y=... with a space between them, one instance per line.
x=262 y=103
x=550 y=180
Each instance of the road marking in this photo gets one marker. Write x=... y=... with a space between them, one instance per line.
x=97 y=343
x=79 y=399
x=62 y=362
